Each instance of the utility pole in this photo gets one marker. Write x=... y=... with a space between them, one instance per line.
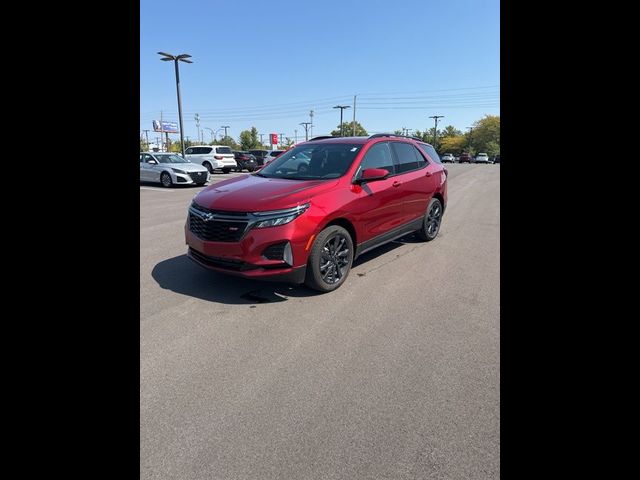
x=354 y=115
x=197 y=118
x=225 y=129
x=261 y=134
x=435 y=131
x=341 y=107
x=311 y=121
x=296 y=136
x=281 y=134
x=306 y=130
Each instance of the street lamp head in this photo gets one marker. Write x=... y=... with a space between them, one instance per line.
x=184 y=60
x=168 y=55
x=183 y=55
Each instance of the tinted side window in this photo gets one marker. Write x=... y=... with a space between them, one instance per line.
x=188 y=151
x=431 y=152
x=378 y=156
x=408 y=158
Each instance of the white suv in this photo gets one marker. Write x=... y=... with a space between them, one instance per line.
x=214 y=157
x=271 y=154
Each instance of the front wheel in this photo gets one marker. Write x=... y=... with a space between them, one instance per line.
x=330 y=259
x=208 y=166
x=432 y=220
x=165 y=180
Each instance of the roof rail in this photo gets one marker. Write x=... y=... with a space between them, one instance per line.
x=377 y=135
x=322 y=137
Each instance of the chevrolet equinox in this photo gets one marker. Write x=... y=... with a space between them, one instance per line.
x=306 y=216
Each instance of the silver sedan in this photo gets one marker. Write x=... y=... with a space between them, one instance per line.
x=171 y=169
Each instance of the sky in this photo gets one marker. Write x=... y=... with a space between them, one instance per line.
x=267 y=64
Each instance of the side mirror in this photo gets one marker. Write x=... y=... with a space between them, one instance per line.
x=373 y=174
x=152 y=162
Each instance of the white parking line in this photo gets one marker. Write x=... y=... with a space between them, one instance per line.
x=157 y=189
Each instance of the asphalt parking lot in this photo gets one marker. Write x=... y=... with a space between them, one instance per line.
x=395 y=375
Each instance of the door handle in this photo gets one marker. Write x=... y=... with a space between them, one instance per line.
x=396 y=183
x=428 y=174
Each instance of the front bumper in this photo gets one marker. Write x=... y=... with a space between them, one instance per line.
x=191 y=178
x=294 y=275
x=246 y=255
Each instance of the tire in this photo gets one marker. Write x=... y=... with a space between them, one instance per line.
x=226 y=170
x=326 y=271
x=431 y=222
x=208 y=166
x=250 y=169
x=165 y=180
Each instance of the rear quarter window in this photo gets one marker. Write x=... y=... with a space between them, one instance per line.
x=433 y=155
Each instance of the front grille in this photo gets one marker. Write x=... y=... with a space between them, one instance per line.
x=198 y=177
x=216 y=230
x=274 y=252
x=219 y=262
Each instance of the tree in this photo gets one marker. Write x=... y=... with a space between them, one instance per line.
x=449 y=131
x=249 y=139
x=348 y=130
x=229 y=142
x=455 y=145
x=486 y=135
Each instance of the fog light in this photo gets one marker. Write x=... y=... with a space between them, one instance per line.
x=288 y=254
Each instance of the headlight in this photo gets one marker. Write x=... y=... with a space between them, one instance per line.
x=177 y=170
x=279 y=217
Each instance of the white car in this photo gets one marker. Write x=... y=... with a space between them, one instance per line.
x=448 y=158
x=171 y=169
x=271 y=154
x=482 y=158
x=213 y=157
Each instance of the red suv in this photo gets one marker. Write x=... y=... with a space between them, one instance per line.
x=307 y=215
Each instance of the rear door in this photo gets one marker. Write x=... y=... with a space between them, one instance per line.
x=416 y=178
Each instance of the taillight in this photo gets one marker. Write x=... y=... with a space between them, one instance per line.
x=218 y=157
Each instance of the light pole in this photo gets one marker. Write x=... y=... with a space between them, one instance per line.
x=207 y=128
x=180 y=58
x=435 y=131
x=341 y=107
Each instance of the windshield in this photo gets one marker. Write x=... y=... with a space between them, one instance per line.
x=171 y=159
x=312 y=162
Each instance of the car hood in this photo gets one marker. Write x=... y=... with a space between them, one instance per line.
x=186 y=167
x=250 y=193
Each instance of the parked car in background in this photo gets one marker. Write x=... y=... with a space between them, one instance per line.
x=259 y=154
x=213 y=157
x=308 y=224
x=495 y=159
x=448 y=158
x=481 y=158
x=171 y=169
x=271 y=154
x=245 y=160
x=465 y=158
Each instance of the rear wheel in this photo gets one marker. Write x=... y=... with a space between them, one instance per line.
x=330 y=259
x=432 y=220
x=165 y=180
